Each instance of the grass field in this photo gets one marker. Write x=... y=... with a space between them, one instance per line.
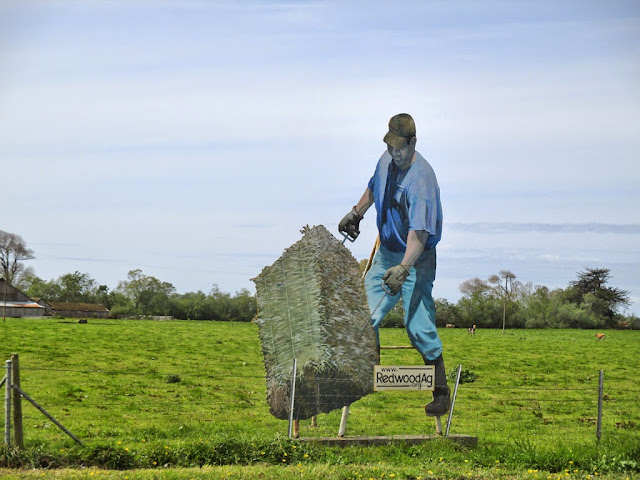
x=184 y=399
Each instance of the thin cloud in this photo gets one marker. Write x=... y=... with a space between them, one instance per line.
x=512 y=227
x=140 y=128
x=257 y=225
x=89 y=260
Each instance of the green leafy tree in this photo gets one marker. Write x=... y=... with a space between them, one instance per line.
x=243 y=306
x=216 y=305
x=49 y=290
x=221 y=304
x=149 y=295
x=446 y=312
x=73 y=287
x=536 y=307
x=478 y=304
x=103 y=296
x=395 y=317
x=590 y=291
x=77 y=287
x=191 y=306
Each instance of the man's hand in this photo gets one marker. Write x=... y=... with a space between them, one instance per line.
x=394 y=278
x=350 y=224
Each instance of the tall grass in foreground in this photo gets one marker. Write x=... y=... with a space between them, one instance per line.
x=143 y=394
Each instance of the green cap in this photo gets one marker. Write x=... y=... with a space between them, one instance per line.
x=401 y=128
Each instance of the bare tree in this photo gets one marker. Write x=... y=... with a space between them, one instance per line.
x=506 y=290
x=474 y=286
x=13 y=251
x=23 y=278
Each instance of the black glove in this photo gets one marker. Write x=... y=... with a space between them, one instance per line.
x=350 y=224
x=394 y=278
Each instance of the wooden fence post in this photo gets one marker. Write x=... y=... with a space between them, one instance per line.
x=18 y=436
x=7 y=405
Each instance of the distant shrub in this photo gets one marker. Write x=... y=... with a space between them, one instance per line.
x=395 y=318
x=121 y=311
x=536 y=322
x=466 y=376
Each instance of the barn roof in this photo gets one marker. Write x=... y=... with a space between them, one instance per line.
x=82 y=307
x=11 y=304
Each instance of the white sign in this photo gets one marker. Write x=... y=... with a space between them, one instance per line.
x=403 y=378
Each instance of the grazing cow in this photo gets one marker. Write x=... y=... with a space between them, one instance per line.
x=450 y=325
x=472 y=330
x=600 y=336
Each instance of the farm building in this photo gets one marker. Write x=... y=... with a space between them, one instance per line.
x=74 y=310
x=17 y=304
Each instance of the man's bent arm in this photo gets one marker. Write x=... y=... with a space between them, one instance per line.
x=365 y=202
x=416 y=240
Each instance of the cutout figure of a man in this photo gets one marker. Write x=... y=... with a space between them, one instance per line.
x=406 y=194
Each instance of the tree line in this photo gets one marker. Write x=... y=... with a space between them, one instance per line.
x=144 y=295
x=500 y=301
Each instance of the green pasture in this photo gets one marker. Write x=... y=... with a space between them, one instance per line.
x=148 y=397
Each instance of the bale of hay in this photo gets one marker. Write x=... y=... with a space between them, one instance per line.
x=312 y=306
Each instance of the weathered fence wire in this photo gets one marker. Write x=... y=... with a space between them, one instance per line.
x=156 y=408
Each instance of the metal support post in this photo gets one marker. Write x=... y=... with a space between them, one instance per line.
x=600 y=396
x=343 y=421
x=49 y=416
x=293 y=396
x=453 y=400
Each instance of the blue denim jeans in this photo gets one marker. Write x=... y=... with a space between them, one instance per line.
x=419 y=308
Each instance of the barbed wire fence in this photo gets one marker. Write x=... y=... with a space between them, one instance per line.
x=539 y=404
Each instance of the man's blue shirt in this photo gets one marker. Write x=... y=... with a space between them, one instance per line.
x=406 y=200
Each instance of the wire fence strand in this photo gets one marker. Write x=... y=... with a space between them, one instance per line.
x=176 y=402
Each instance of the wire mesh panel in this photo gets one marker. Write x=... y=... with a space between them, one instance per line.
x=312 y=306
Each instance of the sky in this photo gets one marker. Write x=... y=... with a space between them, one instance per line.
x=194 y=139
